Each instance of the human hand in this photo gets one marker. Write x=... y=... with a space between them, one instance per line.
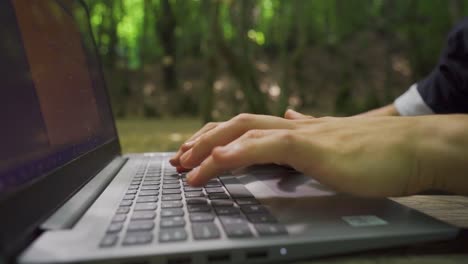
x=363 y=156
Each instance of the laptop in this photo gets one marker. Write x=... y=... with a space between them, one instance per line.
x=68 y=194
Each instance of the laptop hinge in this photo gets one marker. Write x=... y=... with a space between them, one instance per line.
x=70 y=212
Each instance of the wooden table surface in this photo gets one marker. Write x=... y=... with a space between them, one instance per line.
x=451 y=209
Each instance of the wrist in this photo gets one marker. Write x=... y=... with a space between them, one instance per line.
x=441 y=159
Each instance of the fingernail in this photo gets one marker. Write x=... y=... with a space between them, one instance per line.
x=181 y=169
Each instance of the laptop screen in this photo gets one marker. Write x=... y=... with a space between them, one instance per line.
x=53 y=103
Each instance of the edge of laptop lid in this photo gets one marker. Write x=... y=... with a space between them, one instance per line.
x=28 y=195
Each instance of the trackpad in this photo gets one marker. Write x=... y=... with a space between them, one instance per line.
x=277 y=182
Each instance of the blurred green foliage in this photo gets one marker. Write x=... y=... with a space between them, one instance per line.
x=216 y=58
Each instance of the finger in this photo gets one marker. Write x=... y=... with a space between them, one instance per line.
x=293 y=115
x=175 y=160
x=180 y=169
x=254 y=147
x=228 y=132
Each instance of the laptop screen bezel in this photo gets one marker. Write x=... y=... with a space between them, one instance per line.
x=27 y=208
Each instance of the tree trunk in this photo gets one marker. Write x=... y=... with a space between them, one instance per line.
x=208 y=50
x=240 y=65
x=167 y=26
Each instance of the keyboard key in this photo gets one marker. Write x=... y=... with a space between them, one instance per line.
x=171 y=176
x=151 y=183
x=147 y=199
x=214 y=190
x=192 y=189
x=202 y=217
x=170 y=222
x=172 y=212
x=171 y=197
x=235 y=188
x=131 y=192
x=171 y=191
x=134 y=238
x=171 y=204
x=217 y=196
x=128 y=197
x=126 y=203
x=115 y=227
x=194 y=194
x=119 y=218
x=253 y=209
x=136 y=226
x=246 y=201
x=213 y=185
x=261 y=218
x=152 y=177
x=170 y=181
x=145 y=206
x=233 y=220
x=222 y=203
x=109 y=241
x=195 y=208
x=133 y=187
x=237 y=231
x=172 y=234
x=135 y=182
x=148 y=193
x=171 y=186
x=123 y=210
x=196 y=201
x=205 y=231
x=213 y=182
x=143 y=215
x=150 y=187
x=270 y=229
x=227 y=210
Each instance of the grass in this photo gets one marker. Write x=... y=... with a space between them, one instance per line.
x=153 y=135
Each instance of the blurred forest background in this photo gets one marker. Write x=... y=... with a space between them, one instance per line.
x=211 y=59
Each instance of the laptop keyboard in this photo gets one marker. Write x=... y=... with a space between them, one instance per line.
x=160 y=207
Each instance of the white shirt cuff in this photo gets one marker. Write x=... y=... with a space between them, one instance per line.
x=411 y=103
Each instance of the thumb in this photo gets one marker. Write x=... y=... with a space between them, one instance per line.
x=293 y=115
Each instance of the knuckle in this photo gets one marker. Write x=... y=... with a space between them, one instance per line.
x=217 y=155
x=288 y=138
x=255 y=133
x=242 y=118
x=210 y=125
x=203 y=140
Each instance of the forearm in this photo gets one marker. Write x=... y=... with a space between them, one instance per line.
x=442 y=153
x=388 y=110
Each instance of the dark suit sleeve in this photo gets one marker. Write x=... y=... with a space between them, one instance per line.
x=445 y=89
